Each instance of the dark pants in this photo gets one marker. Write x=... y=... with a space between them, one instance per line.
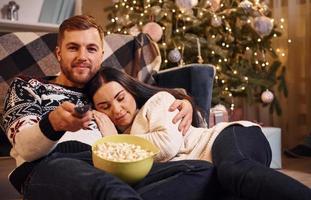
x=242 y=156
x=72 y=177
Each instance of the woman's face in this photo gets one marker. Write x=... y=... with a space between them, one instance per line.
x=116 y=102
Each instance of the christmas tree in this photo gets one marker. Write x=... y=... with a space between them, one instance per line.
x=235 y=36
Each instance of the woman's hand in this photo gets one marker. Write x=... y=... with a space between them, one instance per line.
x=104 y=124
x=184 y=114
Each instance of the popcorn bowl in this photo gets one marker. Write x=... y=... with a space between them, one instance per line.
x=128 y=171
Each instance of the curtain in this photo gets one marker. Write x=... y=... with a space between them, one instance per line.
x=295 y=45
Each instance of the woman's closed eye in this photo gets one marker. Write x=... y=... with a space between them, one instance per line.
x=120 y=98
x=104 y=106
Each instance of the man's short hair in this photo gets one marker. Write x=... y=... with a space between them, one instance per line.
x=78 y=22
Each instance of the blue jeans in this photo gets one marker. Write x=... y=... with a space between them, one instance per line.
x=72 y=176
x=242 y=156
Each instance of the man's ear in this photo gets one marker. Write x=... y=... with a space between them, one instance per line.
x=57 y=53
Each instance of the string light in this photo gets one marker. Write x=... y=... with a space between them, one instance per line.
x=142 y=8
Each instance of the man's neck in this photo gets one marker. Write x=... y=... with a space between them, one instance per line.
x=59 y=80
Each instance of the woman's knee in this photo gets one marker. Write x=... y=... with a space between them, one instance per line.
x=237 y=142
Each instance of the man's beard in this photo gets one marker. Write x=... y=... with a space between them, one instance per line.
x=75 y=77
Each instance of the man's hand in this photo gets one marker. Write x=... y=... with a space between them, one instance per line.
x=185 y=114
x=104 y=124
x=64 y=118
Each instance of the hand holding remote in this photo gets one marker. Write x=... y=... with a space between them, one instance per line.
x=80 y=110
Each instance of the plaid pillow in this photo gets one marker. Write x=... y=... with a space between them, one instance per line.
x=138 y=56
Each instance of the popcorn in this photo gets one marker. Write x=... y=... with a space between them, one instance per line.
x=121 y=152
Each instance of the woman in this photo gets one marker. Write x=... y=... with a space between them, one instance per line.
x=239 y=150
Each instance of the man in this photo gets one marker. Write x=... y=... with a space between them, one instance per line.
x=51 y=142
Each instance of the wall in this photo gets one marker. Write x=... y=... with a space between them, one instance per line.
x=96 y=9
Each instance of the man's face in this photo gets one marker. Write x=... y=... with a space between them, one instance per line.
x=80 y=54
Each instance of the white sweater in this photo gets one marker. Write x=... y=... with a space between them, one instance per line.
x=154 y=123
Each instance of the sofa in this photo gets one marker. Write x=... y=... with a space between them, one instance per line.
x=32 y=54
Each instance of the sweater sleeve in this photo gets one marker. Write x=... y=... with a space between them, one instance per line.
x=154 y=123
x=22 y=114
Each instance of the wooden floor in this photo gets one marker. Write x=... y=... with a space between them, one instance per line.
x=300 y=169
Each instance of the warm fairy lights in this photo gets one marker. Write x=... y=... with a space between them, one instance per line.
x=148 y=10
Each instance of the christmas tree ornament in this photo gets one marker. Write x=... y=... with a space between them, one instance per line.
x=200 y=59
x=155 y=10
x=263 y=25
x=267 y=96
x=154 y=30
x=265 y=9
x=213 y=5
x=174 y=55
x=186 y=4
x=134 y=30
x=246 y=5
x=216 y=21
